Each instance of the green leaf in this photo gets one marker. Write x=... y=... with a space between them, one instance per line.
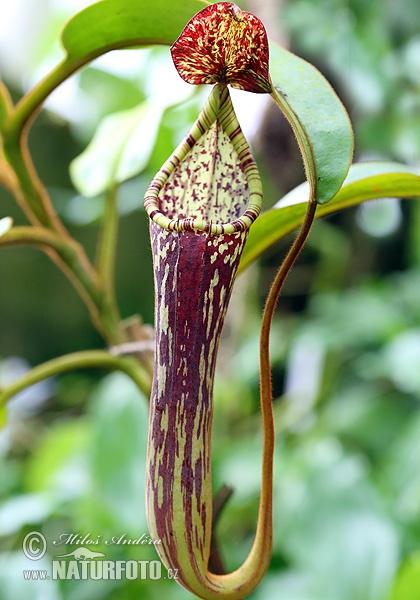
x=318 y=118
x=108 y=93
x=400 y=473
x=59 y=458
x=407 y=586
x=118 y=453
x=366 y=181
x=98 y=29
x=124 y=141
x=113 y=24
x=3 y=417
x=338 y=508
x=119 y=150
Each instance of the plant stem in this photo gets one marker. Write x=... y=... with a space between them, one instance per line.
x=69 y=256
x=95 y=287
x=266 y=498
x=37 y=205
x=90 y=359
x=105 y=262
x=65 y=252
x=33 y=100
x=34 y=200
x=271 y=303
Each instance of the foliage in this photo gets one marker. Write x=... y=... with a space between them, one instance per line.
x=366 y=181
x=347 y=496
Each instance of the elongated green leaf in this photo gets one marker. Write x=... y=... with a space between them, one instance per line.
x=112 y=24
x=318 y=118
x=366 y=181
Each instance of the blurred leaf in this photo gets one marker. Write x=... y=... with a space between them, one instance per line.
x=407 y=586
x=119 y=150
x=401 y=474
x=125 y=142
x=291 y=585
x=24 y=509
x=112 y=24
x=401 y=361
x=381 y=218
x=176 y=120
x=356 y=318
x=229 y=467
x=352 y=40
x=101 y=27
x=14 y=585
x=57 y=465
x=318 y=119
x=3 y=417
x=366 y=181
x=328 y=502
x=106 y=94
x=366 y=416
x=118 y=456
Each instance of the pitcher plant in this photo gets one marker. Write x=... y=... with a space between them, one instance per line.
x=202 y=204
x=205 y=228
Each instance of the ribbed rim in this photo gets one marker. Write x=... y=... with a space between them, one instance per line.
x=219 y=107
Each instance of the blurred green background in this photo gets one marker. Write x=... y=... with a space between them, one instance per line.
x=346 y=341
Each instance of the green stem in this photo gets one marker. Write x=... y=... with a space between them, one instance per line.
x=90 y=359
x=272 y=299
x=95 y=288
x=37 y=236
x=69 y=256
x=264 y=532
x=6 y=103
x=33 y=197
x=30 y=104
x=105 y=262
x=34 y=200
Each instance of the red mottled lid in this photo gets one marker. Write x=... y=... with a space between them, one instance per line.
x=223 y=44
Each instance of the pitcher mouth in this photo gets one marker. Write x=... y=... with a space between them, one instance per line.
x=218 y=109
